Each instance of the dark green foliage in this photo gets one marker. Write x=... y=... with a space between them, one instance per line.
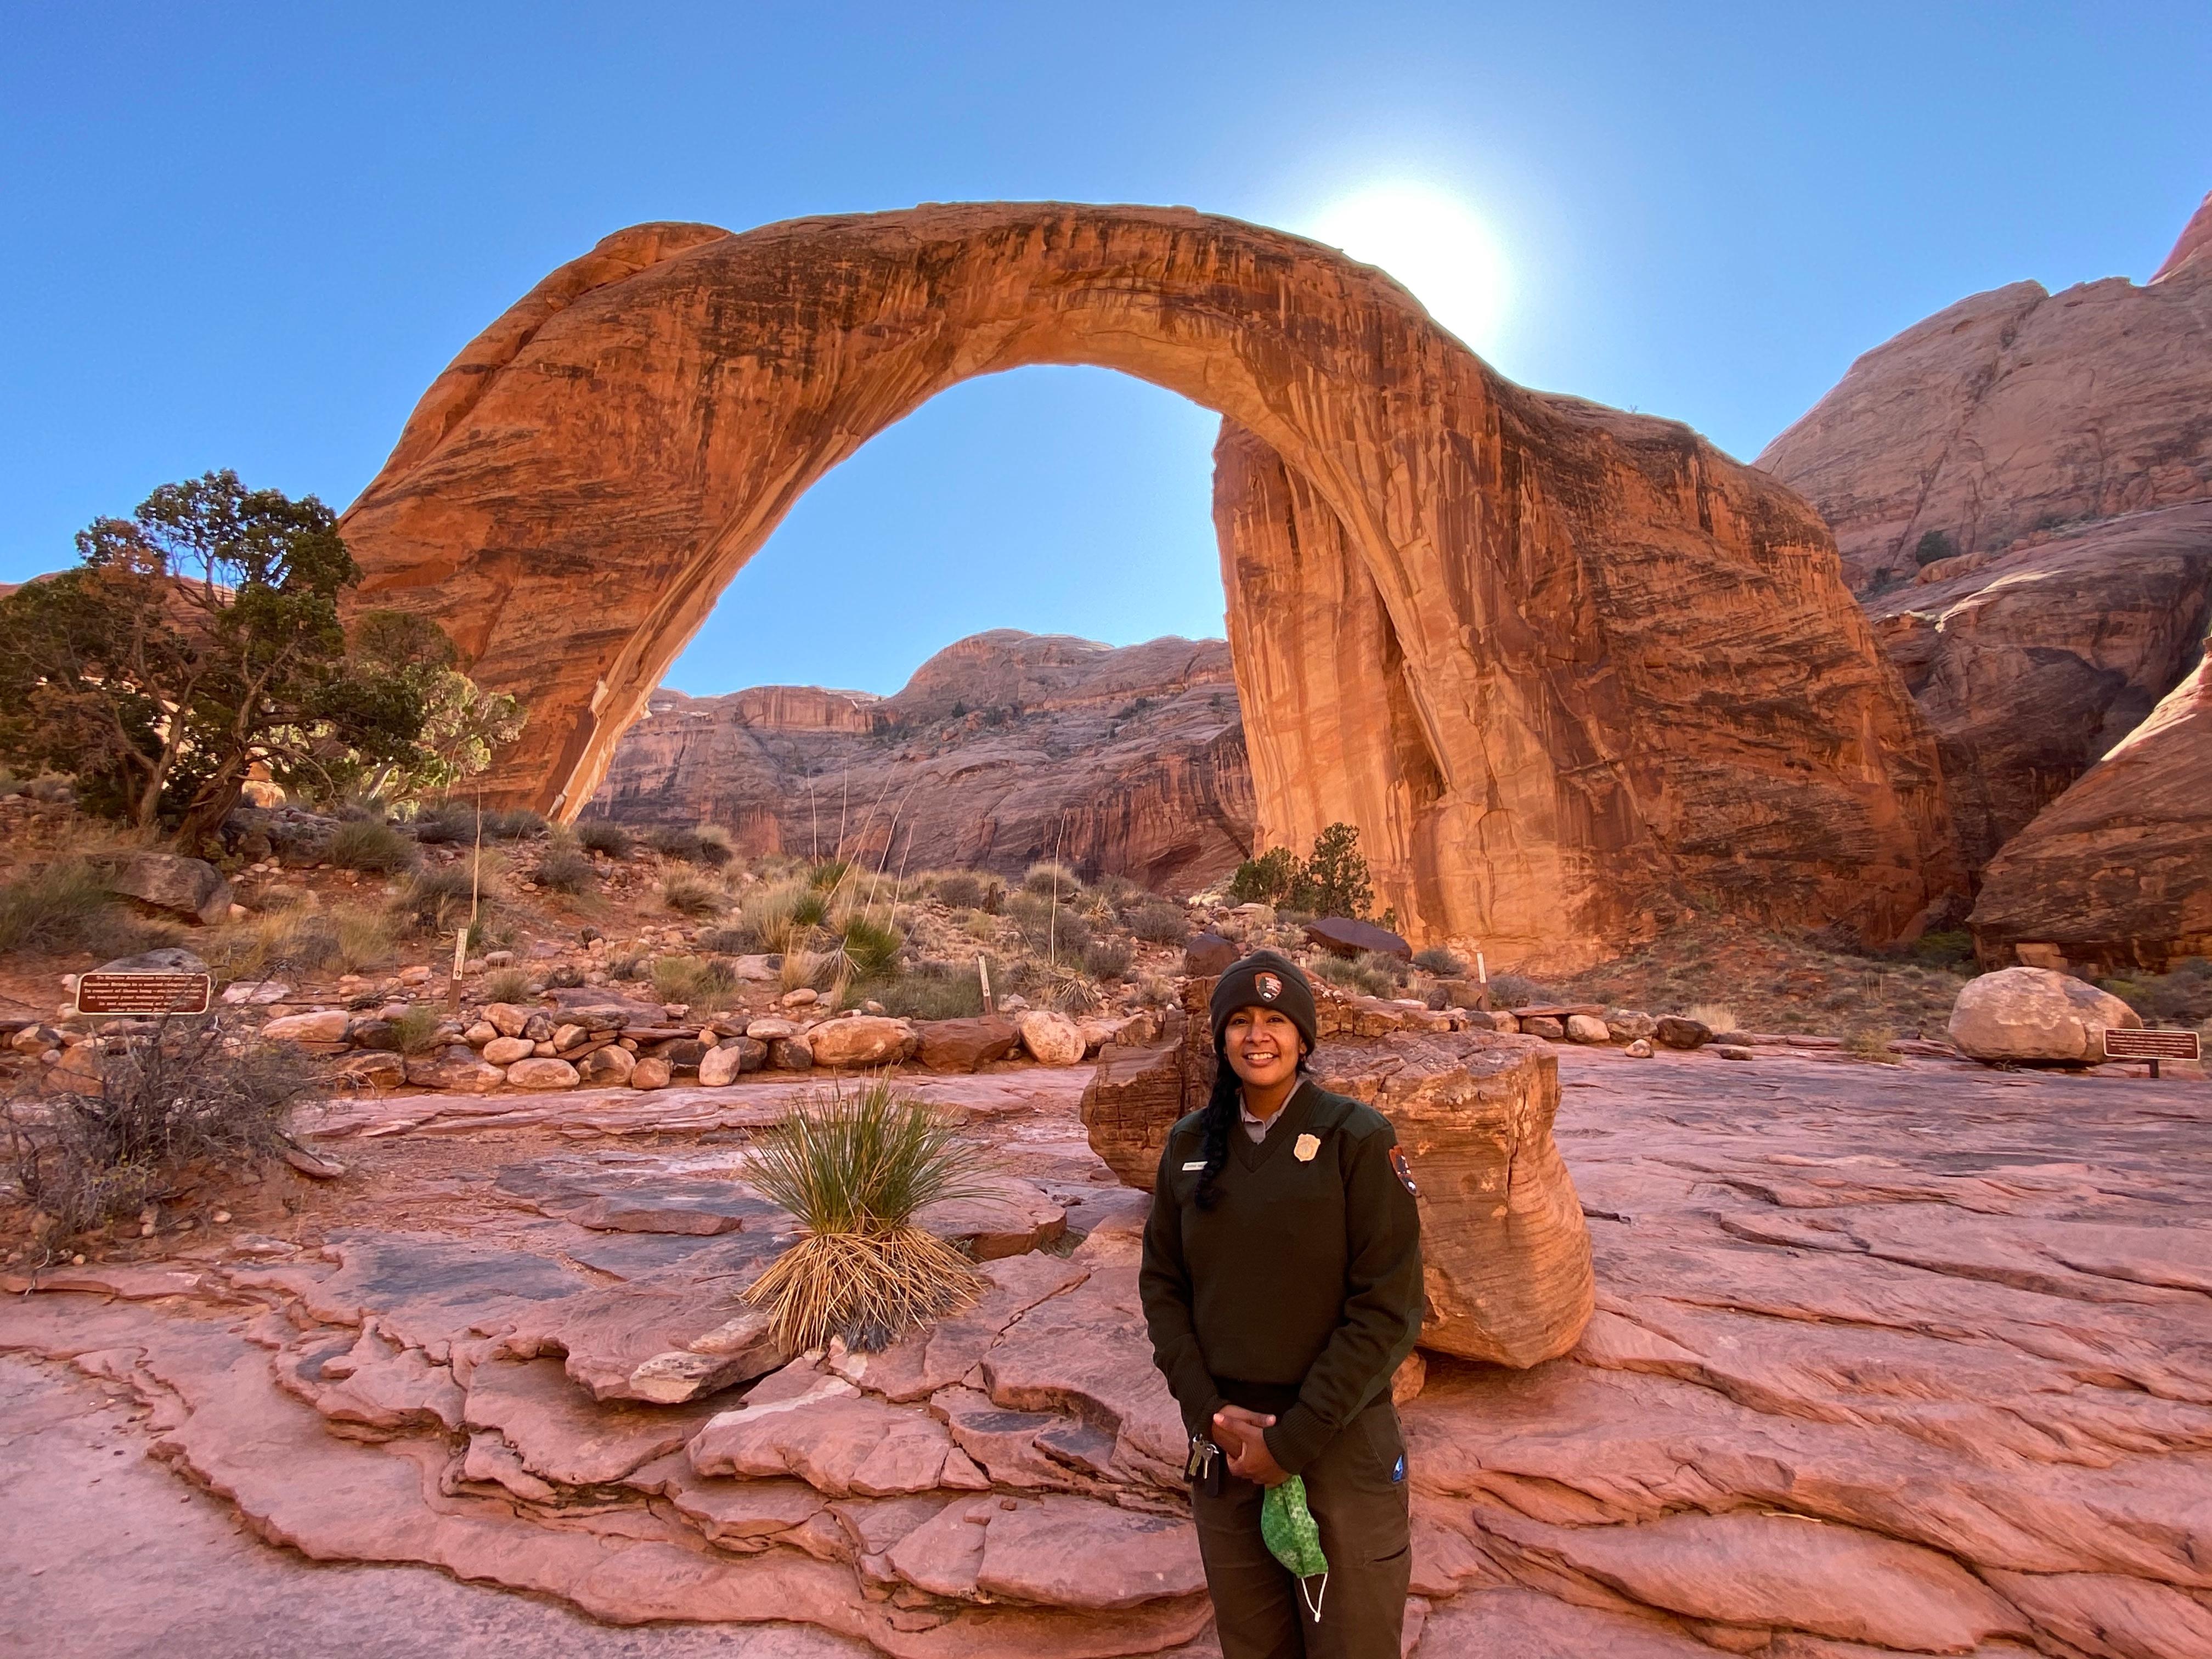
x=1266 y=880
x=1160 y=923
x=1361 y=975
x=2181 y=996
x=1054 y=929
x=965 y=891
x=1952 y=948
x=1518 y=991
x=565 y=870
x=870 y=950
x=1335 y=880
x=1440 y=961
x=601 y=836
x=514 y=823
x=1933 y=545
x=196 y=638
x=67 y=907
x=372 y=845
x=933 y=991
x=1389 y=967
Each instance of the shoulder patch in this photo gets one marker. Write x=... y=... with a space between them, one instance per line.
x=1403 y=1171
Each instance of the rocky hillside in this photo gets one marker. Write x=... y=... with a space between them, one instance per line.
x=1003 y=748
x=2021 y=488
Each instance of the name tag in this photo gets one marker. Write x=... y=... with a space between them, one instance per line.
x=1199 y=1165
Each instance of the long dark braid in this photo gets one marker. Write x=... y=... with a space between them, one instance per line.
x=1223 y=1106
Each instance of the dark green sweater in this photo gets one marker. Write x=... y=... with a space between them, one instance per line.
x=1305 y=1276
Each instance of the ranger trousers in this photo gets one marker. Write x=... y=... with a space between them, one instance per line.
x=1356 y=1491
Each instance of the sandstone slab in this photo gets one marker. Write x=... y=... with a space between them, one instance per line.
x=1342 y=936
x=964 y=1045
x=837 y=1441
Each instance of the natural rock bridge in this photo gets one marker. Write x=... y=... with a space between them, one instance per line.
x=1565 y=668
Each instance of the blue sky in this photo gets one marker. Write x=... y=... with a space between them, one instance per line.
x=249 y=236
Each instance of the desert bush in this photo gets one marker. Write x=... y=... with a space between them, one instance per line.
x=1393 y=971
x=437 y=899
x=1266 y=880
x=1334 y=882
x=1108 y=959
x=1159 y=922
x=737 y=941
x=601 y=836
x=1071 y=994
x=931 y=992
x=716 y=849
x=626 y=968
x=689 y=896
x=513 y=823
x=828 y=875
x=1952 y=948
x=707 y=985
x=1156 y=991
x=507 y=985
x=1354 y=975
x=443 y=823
x=1054 y=929
x=855 y=1170
x=1869 y=1044
x=1715 y=1017
x=1051 y=880
x=190 y=1093
x=1119 y=891
x=2180 y=996
x=867 y=948
x=1933 y=545
x=372 y=845
x=1440 y=961
x=565 y=870
x=67 y=907
x=416 y=1029
x=784 y=916
x=1519 y=991
x=814 y=969
x=966 y=891
x=982 y=927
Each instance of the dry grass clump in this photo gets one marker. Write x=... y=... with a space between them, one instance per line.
x=1108 y=959
x=600 y=836
x=1048 y=880
x=437 y=898
x=66 y=906
x=507 y=985
x=564 y=867
x=708 y=843
x=350 y=939
x=707 y=985
x=1869 y=1044
x=783 y=916
x=689 y=896
x=371 y=845
x=1440 y=961
x=1361 y=975
x=965 y=890
x=855 y=1170
x=190 y=1093
x=933 y=991
x=417 y=1030
x=1158 y=922
x=1713 y=1016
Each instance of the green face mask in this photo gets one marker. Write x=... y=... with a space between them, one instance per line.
x=1287 y=1528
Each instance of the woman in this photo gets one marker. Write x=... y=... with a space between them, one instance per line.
x=1282 y=1288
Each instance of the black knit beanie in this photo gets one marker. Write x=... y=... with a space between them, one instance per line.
x=1265 y=979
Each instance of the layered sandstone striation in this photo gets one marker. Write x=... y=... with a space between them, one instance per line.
x=1002 y=749
x=2118 y=871
x=2033 y=663
x=1542 y=591
x=2012 y=411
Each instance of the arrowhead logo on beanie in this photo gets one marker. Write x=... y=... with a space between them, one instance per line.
x=1265 y=979
x=1270 y=986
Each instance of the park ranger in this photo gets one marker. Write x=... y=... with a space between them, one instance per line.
x=1282 y=1289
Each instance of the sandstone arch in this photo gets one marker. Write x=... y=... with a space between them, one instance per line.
x=1565 y=667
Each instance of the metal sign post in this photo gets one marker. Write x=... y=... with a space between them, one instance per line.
x=2153 y=1046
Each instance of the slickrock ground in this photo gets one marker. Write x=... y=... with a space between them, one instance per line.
x=1002 y=749
x=1901 y=1359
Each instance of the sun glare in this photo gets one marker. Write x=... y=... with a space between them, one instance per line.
x=1433 y=243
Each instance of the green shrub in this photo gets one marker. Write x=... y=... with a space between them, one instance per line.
x=705 y=984
x=1159 y=922
x=1266 y=880
x=513 y=823
x=931 y=992
x=1335 y=880
x=416 y=1029
x=738 y=941
x=601 y=836
x=67 y=907
x=2181 y=996
x=372 y=845
x=1934 y=544
x=1519 y=991
x=1108 y=959
x=1440 y=961
x=869 y=949
x=1390 y=967
x=828 y=875
x=1952 y=948
x=1055 y=930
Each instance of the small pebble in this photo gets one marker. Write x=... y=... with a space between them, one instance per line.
x=221 y=1217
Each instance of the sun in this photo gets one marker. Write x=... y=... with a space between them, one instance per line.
x=1432 y=242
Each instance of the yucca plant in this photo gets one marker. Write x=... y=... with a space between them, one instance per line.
x=855 y=1168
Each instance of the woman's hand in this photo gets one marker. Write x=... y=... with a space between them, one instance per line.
x=1239 y=1434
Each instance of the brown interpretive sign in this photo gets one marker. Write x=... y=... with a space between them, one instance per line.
x=143 y=993
x=2153 y=1046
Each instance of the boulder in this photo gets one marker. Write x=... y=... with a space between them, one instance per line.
x=1641 y=1049
x=1052 y=1039
x=324 y=1025
x=191 y=888
x=606 y=1068
x=167 y=959
x=790 y=1054
x=1627 y=1025
x=1468 y=993
x=861 y=1041
x=1732 y=1051
x=374 y=1032
x=375 y=1070
x=1543 y=1025
x=1207 y=955
x=1588 y=1028
x=459 y=1069
x=964 y=1045
x=724 y=1062
x=649 y=1074
x=769 y=1027
x=506 y=1050
x=1677 y=1031
x=1343 y=937
x=2034 y=1014
x=506 y=1018
x=1137 y=1094
x=541 y=1074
